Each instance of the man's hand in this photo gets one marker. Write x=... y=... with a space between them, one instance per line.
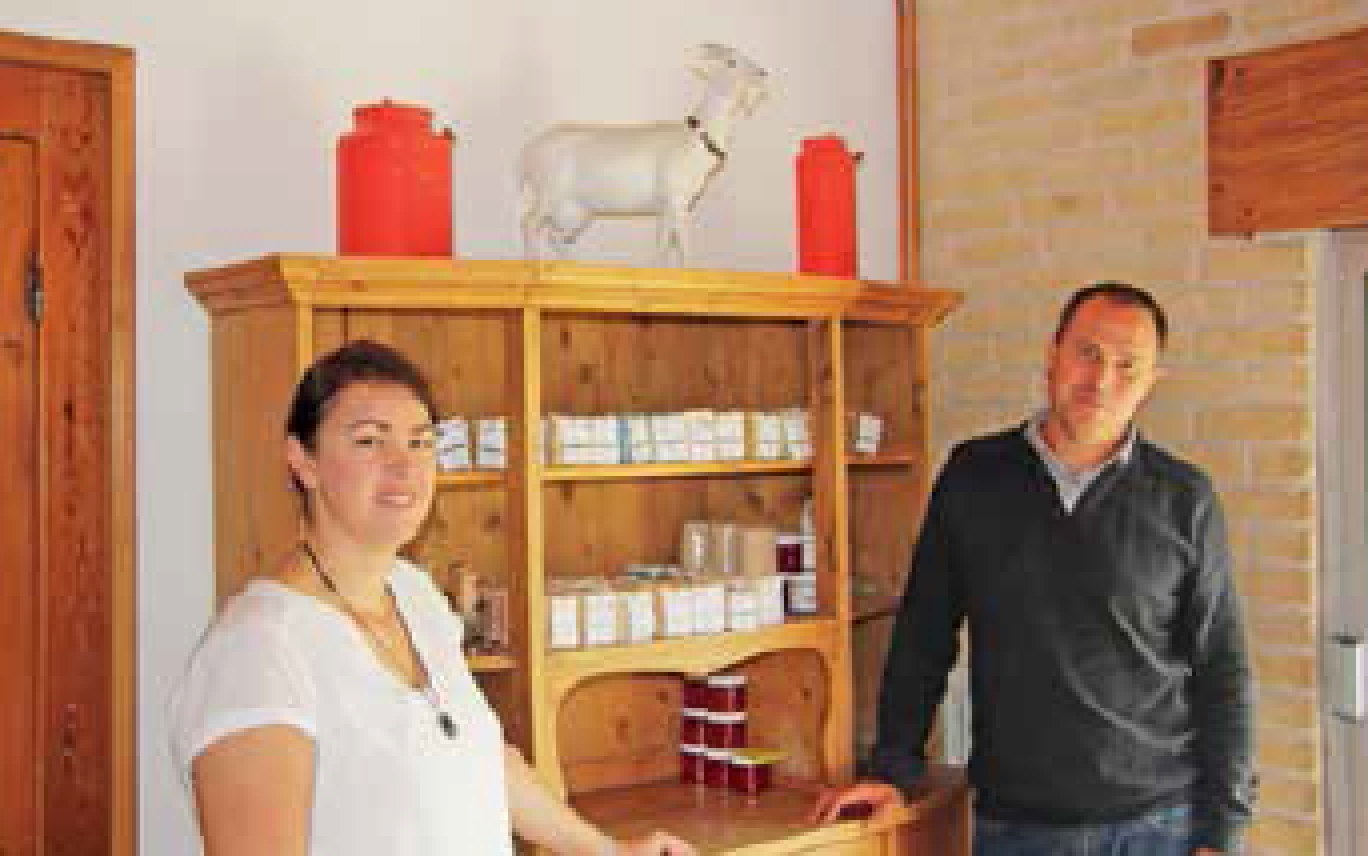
x=1207 y=851
x=656 y=844
x=876 y=796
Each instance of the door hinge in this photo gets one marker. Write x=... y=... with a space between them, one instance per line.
x=34 y=296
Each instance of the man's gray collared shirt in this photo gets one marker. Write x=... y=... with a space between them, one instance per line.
x=1071 y=485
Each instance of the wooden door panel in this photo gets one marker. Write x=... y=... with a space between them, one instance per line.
x=55 y=605
x=66 y=628
x=75 y=414
x=19 y=678
x=19 y=88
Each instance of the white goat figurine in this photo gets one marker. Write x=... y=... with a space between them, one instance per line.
x=572 y=173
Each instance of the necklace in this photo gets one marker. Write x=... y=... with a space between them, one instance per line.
x=429 y=692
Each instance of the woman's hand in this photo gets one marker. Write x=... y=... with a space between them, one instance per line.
x=656 y=844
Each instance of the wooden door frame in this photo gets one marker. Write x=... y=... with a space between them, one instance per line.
x=116 y=64
x=1338 y=260
x=909 y=199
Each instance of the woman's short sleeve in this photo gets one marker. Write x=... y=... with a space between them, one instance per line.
x=247 y=672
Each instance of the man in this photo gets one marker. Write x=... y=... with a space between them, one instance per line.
x=1113 y=709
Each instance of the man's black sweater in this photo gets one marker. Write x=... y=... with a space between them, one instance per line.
x=1108 y=663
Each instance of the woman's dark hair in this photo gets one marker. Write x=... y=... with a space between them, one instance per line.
x=1117 y=292
x=355 y=362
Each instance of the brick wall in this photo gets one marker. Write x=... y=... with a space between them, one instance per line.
x=1063 y=143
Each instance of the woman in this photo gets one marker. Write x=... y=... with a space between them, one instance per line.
x=329 y=710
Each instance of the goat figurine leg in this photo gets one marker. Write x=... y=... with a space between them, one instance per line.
x=544 y=228
x=670 y=236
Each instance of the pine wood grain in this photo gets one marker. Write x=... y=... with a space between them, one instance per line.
x=1286 y=143
x=20 y=525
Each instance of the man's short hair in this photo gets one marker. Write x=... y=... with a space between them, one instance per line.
x=1117 y=292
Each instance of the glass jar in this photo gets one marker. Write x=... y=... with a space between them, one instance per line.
x=690 y=764
x=692 y=726
x=716 y=767
x=726 y=693
x=788 y=554
x=749 y=775
x=693 y=546
x=800 y=593
x=695 y=692
x=725 y=730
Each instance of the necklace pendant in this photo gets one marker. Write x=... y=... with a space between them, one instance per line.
x=447 y=724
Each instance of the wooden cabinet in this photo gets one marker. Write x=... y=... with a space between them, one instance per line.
x=521 y=340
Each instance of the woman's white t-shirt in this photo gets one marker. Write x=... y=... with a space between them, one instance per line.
x=387 y=778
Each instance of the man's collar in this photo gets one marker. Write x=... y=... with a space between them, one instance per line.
x=1035 y=433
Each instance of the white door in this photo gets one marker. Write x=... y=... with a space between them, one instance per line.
x=1342 y=259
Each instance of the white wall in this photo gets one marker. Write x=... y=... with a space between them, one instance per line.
x=239 y=106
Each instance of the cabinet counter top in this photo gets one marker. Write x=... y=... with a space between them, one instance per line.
x=774 y=822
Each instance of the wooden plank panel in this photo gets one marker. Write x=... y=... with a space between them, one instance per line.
x=887 y=506
x=909 y=175
x=20 y=86
x=600 y=527
x=626 y=364
x=117 y=64
x=620 y=730
x=624 y=729
x=328 y=331
x=464 y=357
x=466 y=531
x=886 y=510
x=527 y=576
x=77 y=582
x=463 y=354
x=1286 y=146
x=255 y=367
x=793 y=696
x=885 y=375
x=831 y=509
x=19 y=526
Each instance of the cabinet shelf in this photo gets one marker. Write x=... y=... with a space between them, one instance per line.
x=470 y=478
x=894 y=459
x=691 y=654
x=640 y=472
x=490 y=662
x=666 y=471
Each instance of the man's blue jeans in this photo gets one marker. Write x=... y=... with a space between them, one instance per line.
x=1166 y=832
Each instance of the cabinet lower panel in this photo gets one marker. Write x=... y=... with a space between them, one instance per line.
x=717 y=821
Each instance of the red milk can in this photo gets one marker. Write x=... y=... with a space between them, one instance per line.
x=394 y=183
x=826 y=207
